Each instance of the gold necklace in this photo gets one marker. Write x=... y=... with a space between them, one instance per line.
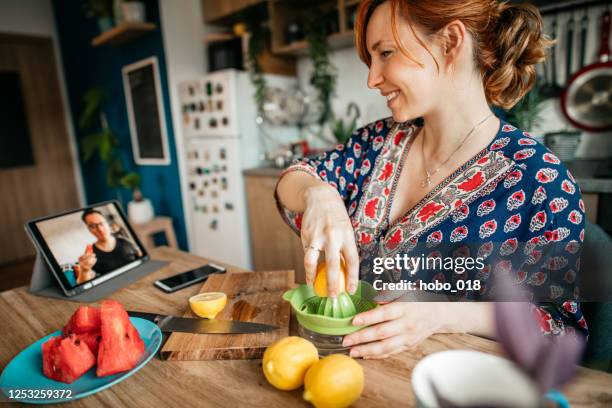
x=429 y=174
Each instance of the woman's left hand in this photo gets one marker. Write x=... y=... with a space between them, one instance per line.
x=395 y=327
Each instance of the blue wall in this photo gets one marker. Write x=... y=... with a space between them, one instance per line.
x=86 y=66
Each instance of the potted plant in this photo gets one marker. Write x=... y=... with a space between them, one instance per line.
x=140 y=209
x=323 y=75
x=106 y=144
x=102 y=10
x=257 y=40
x=342 y=131
x=526 y=113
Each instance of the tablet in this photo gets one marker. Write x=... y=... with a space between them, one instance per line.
x=87 y=246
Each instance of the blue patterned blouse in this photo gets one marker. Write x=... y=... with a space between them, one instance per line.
x=513 y=196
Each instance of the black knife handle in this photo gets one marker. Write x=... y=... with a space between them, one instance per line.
x=153 y=317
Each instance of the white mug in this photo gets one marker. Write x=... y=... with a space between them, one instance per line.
x=466 y=377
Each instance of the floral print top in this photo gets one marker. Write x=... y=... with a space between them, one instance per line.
x=513 y=196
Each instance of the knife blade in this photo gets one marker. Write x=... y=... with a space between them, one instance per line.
x=168 y=323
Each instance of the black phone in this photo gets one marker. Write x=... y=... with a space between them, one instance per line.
x=185 y=279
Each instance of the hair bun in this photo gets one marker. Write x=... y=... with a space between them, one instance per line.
x=518 y=44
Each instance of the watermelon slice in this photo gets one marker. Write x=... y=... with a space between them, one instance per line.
x=92 y=340
x=49 y=350
x=66 y=358
x=86 y=319
x=121 y=346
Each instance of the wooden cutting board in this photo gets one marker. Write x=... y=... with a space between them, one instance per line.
x=251 y=296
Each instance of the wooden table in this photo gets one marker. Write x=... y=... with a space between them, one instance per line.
x=27 y=318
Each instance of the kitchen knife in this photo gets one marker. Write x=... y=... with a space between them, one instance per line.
x=202 y=326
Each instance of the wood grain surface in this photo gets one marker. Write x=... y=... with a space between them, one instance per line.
x=251 y=296
x=236 y=383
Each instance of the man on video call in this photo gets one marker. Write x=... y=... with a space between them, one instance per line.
x=108 y=253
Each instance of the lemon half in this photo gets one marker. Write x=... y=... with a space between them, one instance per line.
x=208 y=304
x=320 y=282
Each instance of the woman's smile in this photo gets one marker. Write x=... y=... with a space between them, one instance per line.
x=391 y=96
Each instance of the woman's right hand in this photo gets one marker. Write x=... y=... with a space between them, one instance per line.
x=327 y=227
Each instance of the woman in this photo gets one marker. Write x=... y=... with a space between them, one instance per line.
x=443 y=169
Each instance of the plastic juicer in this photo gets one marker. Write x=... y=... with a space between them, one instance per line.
x=324 y=321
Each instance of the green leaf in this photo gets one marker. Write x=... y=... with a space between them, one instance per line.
x=130 y=180
x=90 y=144
x=93 y=98
x=114 y=171
x=323 y=76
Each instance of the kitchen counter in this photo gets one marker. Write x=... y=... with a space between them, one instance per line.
x=263 y=172
x=27 y=318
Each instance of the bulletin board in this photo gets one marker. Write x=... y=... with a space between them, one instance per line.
x=146 y=112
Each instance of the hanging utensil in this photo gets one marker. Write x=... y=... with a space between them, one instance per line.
x=553 y=90
x=587 y=100
x=584 y=30
x=571 y=25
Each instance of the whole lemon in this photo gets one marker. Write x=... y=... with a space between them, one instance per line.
x=335 y=381
x=286 y=361
x=320 y=282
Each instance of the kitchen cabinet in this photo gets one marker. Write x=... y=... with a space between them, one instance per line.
x=282 y=16
x=274 y=246
x=336 y=15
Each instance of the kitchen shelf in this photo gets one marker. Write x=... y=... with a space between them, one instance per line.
x=281 y=55
x=225 y=12
x=300 y=48
x=348 y=3
x=123 y=33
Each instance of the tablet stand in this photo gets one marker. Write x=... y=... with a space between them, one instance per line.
x=43 y=283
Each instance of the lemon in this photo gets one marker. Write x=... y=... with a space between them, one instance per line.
x=320 y=282
x=286 y=361
x=208 y=304
x=335 y=381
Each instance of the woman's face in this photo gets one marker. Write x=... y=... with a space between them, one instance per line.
x=411 y=90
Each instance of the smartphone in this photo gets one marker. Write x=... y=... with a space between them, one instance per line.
x=185 y=279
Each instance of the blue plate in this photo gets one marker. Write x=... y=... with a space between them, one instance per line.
x=24 y=372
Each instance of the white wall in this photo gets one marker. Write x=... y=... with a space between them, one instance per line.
x=352 y=77
x=35 y=17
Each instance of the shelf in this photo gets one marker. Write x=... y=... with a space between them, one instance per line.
x=217 y=37
x=123 y=33
x=300 y=48
x=349 y=3
x=226 y=12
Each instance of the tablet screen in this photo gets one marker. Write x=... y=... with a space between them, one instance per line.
x=88 y=245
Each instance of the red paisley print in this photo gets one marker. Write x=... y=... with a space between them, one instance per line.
x=473 y=182
x=429 y=211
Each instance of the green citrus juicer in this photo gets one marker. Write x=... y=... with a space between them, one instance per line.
x=330 y=316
